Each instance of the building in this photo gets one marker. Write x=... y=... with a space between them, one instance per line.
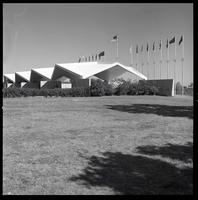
x=67 y=75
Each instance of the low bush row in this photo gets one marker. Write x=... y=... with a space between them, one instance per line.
x=25 y=92
x=97 y=88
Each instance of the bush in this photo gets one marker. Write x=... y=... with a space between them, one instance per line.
x=25 y=92
x=178 y=88
x=133 y=89
x=97 y=88
x=123 y=87
x=108 y=89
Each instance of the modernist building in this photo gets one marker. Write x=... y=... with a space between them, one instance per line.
x=68 y=75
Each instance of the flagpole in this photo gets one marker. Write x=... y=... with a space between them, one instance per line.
x=182 y=61
x=167 y=59
x=175 y=64
x=131 y=51
x=154 y=59
x=117 y=49
x=160 y=58
x=148 y=63
x=142 y=60
x=137 y=62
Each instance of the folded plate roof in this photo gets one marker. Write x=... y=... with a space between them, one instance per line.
x=11 y=77
x=87 y=69
x=25 y=75
x=45 y=72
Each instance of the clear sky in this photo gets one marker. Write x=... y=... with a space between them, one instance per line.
x=40 y=35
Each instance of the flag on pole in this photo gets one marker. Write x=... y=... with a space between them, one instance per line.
x=147 y=48
x=172 y=41
x=181 y=39
x=160 y=45
x=101 y=54
x=153 y=46
x=137 y=49
x=115 y=38
x=167 y=44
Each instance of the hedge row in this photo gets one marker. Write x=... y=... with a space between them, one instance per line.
x=97 y=88
x=25 y=92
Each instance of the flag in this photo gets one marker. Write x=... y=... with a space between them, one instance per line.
x=147 y=48
x=137 y=49
x=101 y=54
x=181 y=39
x=167 y=44
x=160 y=45
x=142 y=48
x=115 y=38
x=153 y=46
x=172 y=41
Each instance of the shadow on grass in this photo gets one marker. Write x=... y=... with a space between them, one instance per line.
x=130 y=174
x=173 y=151
x=163 y=110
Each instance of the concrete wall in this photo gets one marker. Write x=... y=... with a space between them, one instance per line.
x=80 y=82
x=165 y=86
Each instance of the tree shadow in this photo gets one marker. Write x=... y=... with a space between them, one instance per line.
x=173 y=151
x=135 y=175
x=163 y=110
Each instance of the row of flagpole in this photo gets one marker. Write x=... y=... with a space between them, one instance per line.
x=98 y=56
x=173 y=40
x=92 y=57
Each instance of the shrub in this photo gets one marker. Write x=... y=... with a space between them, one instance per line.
x=133 y=89
x=178 y=88
x=108 y=89
x=123 y=87
x=97 y=88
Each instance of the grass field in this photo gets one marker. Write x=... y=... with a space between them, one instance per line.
x=98 y=145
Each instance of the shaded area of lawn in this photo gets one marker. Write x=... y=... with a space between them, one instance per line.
x=163 y=110
x=173 y=151
x=132 y=174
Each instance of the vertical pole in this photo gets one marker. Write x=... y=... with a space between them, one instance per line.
x=182 y=60
x=131 y=52
x=154 y=62
x=117 y=49
x=148 y=63
x=167 y=60
x=160 y=58
x=175 y=65
x=137 y=63
x=142 y=61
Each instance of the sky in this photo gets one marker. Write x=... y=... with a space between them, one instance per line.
x=41 y=35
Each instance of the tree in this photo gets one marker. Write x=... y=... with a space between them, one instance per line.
x=190 y=85
x=178 y=88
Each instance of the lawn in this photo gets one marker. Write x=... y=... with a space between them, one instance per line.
x=98 y=145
